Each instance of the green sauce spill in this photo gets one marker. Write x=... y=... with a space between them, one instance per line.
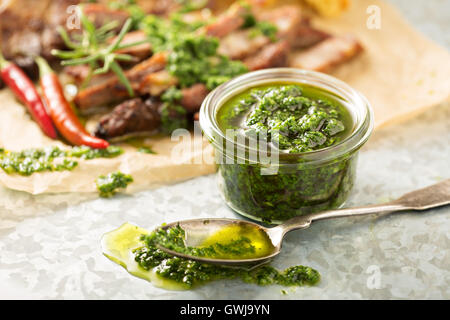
x=29 y=161
x=108 y=185
x=127 y=247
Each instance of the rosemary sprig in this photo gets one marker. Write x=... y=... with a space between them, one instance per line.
x=94 y=48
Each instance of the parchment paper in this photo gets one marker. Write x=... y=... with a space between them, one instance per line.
x=401 y=73
x=175 y=160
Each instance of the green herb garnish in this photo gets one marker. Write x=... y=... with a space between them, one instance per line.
x=84 y=152
x=94 y=48
x=147 y=150
x=174 y=239
x=29 y=161
x=193 y=57
x=190 y=273
x=173 y=116
x=110 y=184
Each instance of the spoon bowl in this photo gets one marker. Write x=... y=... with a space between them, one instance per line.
x=197 y=230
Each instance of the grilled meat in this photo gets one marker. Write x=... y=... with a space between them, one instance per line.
x=319 y=51
x=193 y=97
x=131 y=116
x=306 y=36
x=241 y=44
x=141 y=51
x=287 y=19
x=271 y=56
x=101 y=14
x=327 y=54
x=144 y=77
x=79 y=74
x=112 y=91
x=156 y=83
x=228 y=22
x=36 y=34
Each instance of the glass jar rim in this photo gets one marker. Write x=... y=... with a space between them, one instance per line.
x=358 y=105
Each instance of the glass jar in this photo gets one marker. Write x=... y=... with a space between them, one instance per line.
x=295 y=184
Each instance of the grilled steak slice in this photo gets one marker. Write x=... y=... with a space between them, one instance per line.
x=231 y=20
x=271 y=56
x=327 y=54
x=79 y=73
x=131 y=116
x=306 y=36
x=141 y=51
x=242 y=43
x=156 y=83
x=101 y=14
x=193 y=97
x=112 y=91
x=287 y=19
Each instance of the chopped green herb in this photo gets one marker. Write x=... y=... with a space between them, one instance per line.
x=84 y=152
x=193 y=58
x=190 y=272
x=295 y=119
x=172 y=95
x=136 y=13
x=173 y=239
x=191 y=5
x=29 y=161
x=110 y=184
x=173 y=116
x=147 y=150
x=265 y=28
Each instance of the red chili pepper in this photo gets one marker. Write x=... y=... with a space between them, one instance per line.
x=26 y=92
x=61 y=112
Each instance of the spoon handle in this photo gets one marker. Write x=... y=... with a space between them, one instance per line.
x=422 y=199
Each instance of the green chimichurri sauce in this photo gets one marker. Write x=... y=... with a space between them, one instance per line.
x=29 y=161
x=235 y=241
x=109 y=185
x=296 y=120
x=128 y=247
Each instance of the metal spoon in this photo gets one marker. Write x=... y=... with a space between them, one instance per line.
x=197 y=229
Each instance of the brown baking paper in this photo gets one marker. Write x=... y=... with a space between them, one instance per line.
x=401 y=73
